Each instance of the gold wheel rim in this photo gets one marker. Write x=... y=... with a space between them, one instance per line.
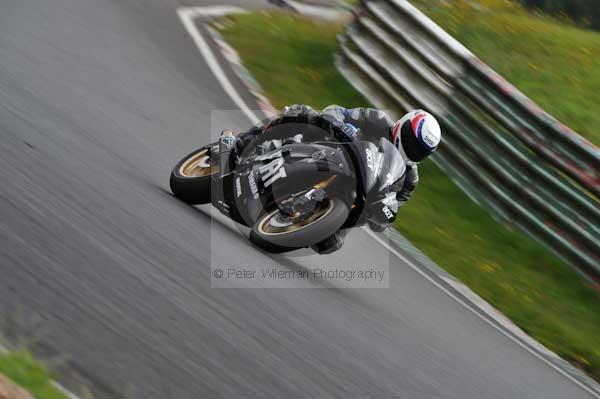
x=198 y=165
x=266 y=228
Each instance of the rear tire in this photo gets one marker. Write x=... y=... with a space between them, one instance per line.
x=191 y=177
x=268 y=234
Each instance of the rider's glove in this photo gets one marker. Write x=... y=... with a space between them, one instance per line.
x=344 y=131
x=350 y=130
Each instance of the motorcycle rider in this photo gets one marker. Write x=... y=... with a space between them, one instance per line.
x=416 y=135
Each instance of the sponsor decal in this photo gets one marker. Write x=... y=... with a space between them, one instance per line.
x=252 y=184
x=238 y=187
x=428 y=141
x=272 y=171
x=369 y=155
x=387 y=212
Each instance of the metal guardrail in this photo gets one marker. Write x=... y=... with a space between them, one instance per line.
x=502 y=149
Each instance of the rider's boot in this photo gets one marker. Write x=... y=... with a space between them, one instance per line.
x=330 y=244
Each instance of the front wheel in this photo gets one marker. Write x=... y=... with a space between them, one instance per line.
x=276 y=232
x=191 y=177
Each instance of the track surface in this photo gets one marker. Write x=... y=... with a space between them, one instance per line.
x=98 y=99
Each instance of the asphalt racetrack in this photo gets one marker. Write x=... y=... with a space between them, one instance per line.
x=98 y=100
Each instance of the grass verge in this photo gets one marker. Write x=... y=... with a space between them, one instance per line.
x=292 y=58
x=553 y=62
x=31 y=375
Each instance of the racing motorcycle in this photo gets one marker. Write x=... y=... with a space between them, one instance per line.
x=292 y=194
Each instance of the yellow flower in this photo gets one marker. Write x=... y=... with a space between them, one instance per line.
x=487 y=267
x=582 y=360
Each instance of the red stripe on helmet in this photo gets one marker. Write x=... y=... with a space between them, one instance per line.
x=395 y=132
x=415 y=123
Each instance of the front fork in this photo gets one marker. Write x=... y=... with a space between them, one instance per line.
x=226 y=153
x=223 y=191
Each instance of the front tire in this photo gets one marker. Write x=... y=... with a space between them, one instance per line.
x=274 y=233
x=191 y=177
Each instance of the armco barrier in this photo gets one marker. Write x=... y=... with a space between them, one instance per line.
x=502 y=149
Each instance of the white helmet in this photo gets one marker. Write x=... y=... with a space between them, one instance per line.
x=418 y=134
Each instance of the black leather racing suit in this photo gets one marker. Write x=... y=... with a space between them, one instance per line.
x=373 y=125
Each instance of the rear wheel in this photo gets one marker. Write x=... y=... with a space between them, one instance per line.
x=277 y=232
x=191 y=177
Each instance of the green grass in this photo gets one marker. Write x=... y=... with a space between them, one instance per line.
x=297 y=65
x=25 y=371
x=293 y=60
x=553 y=62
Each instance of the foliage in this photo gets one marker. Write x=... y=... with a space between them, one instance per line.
x=553 y=62
x=21 y=368
x=585 y=12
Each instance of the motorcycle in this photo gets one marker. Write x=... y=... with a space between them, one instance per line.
x=291 y=194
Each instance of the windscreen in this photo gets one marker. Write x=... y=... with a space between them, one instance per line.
x=391 y=165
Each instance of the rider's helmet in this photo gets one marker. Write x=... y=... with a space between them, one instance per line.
x=417 y=134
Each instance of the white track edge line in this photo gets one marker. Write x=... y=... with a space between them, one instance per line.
x=187 y=16
x=485 y=319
